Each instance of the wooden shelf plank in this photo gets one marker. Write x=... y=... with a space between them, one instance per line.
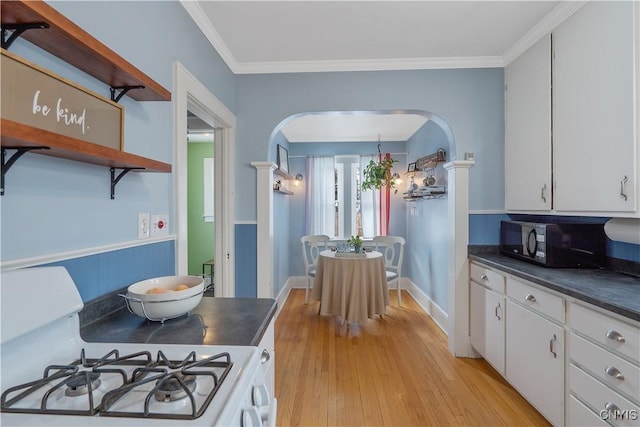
x=283 y=191
x=282 y=174
x=75 y=46
x=18 y=135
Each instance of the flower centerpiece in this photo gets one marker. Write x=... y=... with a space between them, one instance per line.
x=356 y=241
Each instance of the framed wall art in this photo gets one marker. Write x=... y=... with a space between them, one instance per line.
x=283 y=159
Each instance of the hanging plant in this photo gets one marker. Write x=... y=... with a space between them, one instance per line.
x=378 y=174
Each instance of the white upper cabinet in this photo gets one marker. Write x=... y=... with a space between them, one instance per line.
x=528 y=129
x=595 y=147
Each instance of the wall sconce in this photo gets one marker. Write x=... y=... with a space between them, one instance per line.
x=298 y=179
x=396 y=178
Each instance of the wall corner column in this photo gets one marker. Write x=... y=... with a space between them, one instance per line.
x=264 y=238
x=458 y=268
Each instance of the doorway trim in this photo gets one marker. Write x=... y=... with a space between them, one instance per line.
x=190 y=92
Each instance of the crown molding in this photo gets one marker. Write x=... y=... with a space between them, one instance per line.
x=558 y=15
x=200 y=18
x=564 y=10
x=369 y=65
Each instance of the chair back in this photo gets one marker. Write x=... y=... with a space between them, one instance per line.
x=312 y=245
x=392 y=249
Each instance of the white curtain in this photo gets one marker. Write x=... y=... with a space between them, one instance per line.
x=320 y=207
x=370 y=203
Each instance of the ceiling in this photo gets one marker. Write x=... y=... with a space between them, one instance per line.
x=255 y=37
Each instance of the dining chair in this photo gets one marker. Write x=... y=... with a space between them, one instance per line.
x=392 y=249
x=312 y=245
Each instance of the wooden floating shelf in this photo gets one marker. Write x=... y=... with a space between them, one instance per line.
x=20 y=135
x=282 y=174
x=283 y=191
x=75 y=46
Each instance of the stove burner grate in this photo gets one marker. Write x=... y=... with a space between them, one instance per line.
x=172 y=380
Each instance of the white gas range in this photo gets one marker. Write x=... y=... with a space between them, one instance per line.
x=50 y=376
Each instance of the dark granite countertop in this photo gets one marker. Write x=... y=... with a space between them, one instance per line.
x=616 y=292
x=215 y=321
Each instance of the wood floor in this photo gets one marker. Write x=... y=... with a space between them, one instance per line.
x=394 y=371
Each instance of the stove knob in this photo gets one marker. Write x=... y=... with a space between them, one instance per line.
x=251 y=417
x=261 y=395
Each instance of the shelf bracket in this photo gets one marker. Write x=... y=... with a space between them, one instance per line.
x=6 y=164
x=18 y=29
x=115 y=179
x=123 y=91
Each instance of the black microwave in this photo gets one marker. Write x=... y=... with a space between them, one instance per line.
x=555 y=245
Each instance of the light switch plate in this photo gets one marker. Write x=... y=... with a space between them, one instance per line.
x=159 y=225
x=144 y=225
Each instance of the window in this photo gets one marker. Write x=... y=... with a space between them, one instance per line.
x=353 y=211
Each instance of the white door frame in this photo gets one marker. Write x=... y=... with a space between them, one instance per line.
x=190 y=93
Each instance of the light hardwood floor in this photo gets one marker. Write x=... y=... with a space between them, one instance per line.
x=394 y=371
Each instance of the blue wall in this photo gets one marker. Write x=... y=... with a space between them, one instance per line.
x=426 y=254
x=100 y=274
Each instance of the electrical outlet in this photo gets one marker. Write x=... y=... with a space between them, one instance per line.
x=159 y=225
x=144 y=225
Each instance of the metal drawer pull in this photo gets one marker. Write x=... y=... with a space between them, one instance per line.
x=542 y=191
x=484 y=277
x=622 y=183
x=530 y=297
x=612 y=407
x=614 y=372
x=265 y=356
x=551 y=346
x=497 y=315
x=615 y=335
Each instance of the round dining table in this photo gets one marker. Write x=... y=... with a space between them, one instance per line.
x=351 y=286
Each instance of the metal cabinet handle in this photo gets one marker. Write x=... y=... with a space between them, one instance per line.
x=615 y=335
x=542 y=193
x=551 y=346
x=622 y=183
x=530 y=297
x=614 y=372
x=497 y=315
x=265 y=356
x=612 y=407
x=484 y=277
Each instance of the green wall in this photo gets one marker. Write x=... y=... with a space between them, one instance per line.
x=201 y=243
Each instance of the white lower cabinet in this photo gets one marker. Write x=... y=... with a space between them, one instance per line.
x=535 y=360
x=487 y=325
x=604 y=366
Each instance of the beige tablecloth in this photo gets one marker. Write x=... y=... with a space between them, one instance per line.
x=353 y=288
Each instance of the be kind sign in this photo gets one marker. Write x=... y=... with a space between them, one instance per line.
x=36 y=97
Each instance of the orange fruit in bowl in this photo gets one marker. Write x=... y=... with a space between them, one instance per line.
x=158 y=291
x=181 y=287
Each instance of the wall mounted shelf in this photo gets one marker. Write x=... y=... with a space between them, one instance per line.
x=42 y=25
x=18 y=136
x=75 y=46
x=282 y=174
x=283 y=191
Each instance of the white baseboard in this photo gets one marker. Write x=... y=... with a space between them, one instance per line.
x=428 y=306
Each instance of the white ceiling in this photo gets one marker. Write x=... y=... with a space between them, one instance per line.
x=313 y=36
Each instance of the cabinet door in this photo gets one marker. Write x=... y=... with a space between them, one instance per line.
x=528 y=130
x=487 y=325
x=535 y=360
x=594 y=97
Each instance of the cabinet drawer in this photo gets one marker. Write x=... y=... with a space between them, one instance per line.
x=608 y=404
x=537 y=299
x=487 y=277
x=609 y=368
x=579 y=415
x=612 y=333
